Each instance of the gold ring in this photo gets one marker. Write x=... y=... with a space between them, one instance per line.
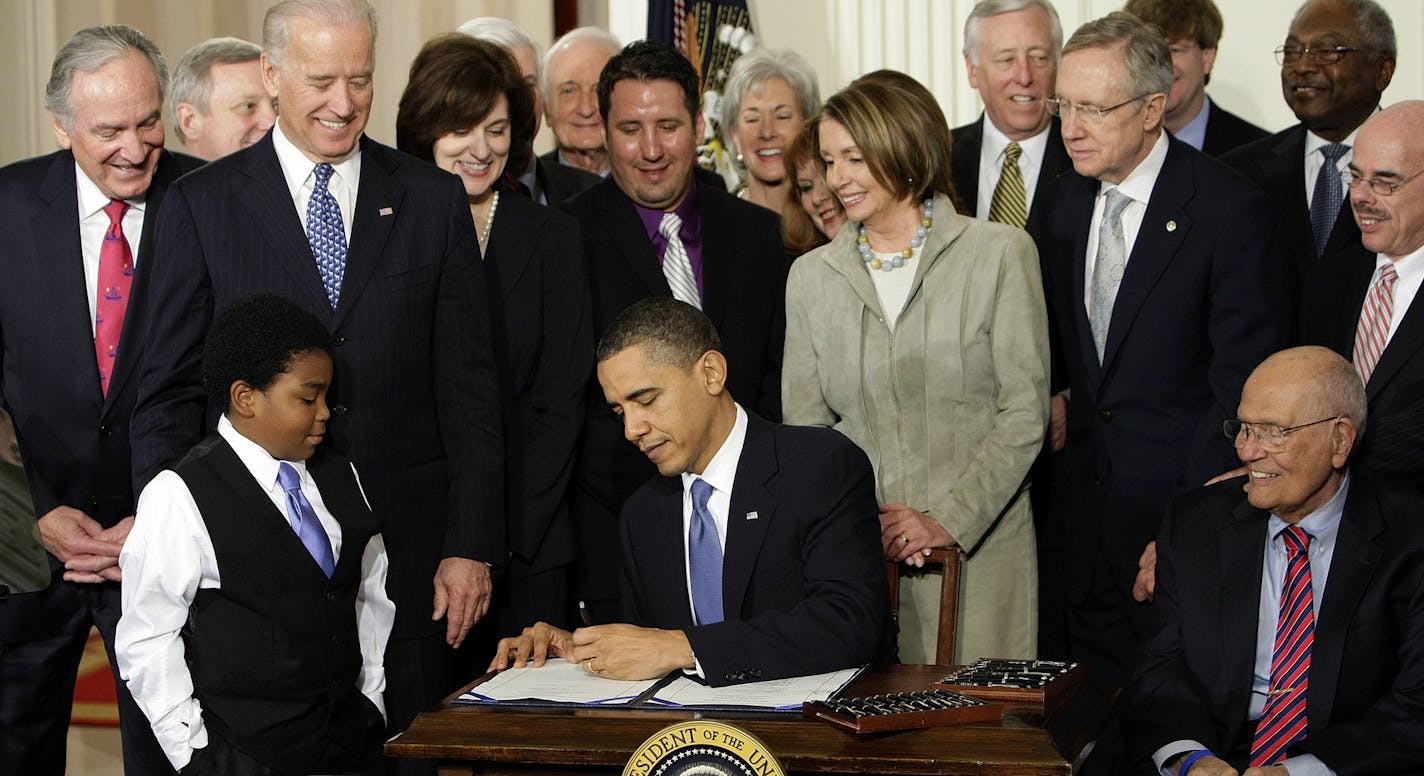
x=905 y=539
x=588 y=666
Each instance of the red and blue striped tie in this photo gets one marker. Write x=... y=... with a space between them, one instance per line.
x=1283 y=722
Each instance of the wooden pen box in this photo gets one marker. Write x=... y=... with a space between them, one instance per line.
x=903 y=711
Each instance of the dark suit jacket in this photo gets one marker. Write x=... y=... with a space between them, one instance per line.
x=803 y=582
x=1226 y=130
x=744 y=282
x=964 y=166
x=73 y=437
x=414 y=402
x=544 y=343
x=1277 y=164
x=559 y=182
x=1199 y=307
x=1367 y=663
x=1333 y=294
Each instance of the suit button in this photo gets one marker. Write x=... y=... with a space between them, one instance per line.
x=338 y=340
x=339 y=410
x=106 y=431
x=331 y=597
x=1106 y=415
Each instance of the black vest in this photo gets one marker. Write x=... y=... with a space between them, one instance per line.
x=273 y=653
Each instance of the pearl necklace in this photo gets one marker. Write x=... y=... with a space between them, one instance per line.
x=874 y=262
x=489 y=222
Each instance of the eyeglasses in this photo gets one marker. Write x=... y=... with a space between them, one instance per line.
x=1320 y=55
x=1379 y=186
x=1273 y=439
x=1089 y=113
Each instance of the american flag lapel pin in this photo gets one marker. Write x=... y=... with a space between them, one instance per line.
x=385 y=211
x=752 y=515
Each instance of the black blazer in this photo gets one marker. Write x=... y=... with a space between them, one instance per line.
x=559 y=182
x=544 y=343
x=414 y=403
x=1200 y=305
x=1364 y=700
x=744 y=282
x=803 y=581
x=964 y=166
x=1226 y=130
x=73 y=437
x=1277 y=164
x=1333 y=294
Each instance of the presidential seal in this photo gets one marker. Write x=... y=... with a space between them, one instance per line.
x=702 y=748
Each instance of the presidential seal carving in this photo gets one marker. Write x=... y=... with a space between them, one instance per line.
x=702 y=748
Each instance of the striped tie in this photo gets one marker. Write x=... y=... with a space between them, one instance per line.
x=1007 y=206
x=1375 y=315
x=677 y=268
x=1283 y=722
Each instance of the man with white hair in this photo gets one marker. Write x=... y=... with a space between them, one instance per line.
x=549 y=182
x=77 y=252
x=382 y=249
x=218 y=102
x=570 y=86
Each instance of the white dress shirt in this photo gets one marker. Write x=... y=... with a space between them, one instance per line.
x=991 y=162
x=1323 y=525
x=1410 y=270
x=1138 y=187
x=1314 y=160
x=169 y=556
x=94 y=224
x=301 y=178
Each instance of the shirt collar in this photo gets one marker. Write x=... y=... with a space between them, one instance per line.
x=1323 y=524
x=1406 y=267
x=91 y=199
x=1194 y=133
x=994 y=142
x=258 y=461
x=1138 y=183
x=691 y=230
x=297 y=168
x=721 y=471
x=1314 y=142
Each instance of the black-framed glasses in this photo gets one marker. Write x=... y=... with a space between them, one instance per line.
x=1089 y=113
x=1320 y=55
x=1383 y=188
x=1272 y=438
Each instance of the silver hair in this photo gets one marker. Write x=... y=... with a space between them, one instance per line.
x=507 y=35
x=986 y=8
x=594 y=34
x=333 y=12
x=754 y=68
x=1145 y=52
x=193 y=77
x=1340 y=391
x=1376 y=29
x=90 y=49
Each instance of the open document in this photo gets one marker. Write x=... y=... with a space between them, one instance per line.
x=776 y=694
x=558 y=681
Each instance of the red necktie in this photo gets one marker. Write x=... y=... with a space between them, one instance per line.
x=115 y=278
x=1283 y=721
x=1375 y=316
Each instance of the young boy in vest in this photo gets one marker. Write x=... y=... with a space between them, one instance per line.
x=255 y=615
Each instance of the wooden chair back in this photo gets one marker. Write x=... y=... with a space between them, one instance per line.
x=949 y=559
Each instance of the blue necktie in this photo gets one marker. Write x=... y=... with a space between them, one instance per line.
x=704 y=558
x=1325 y=203
x=327 y=234
x=304 y=519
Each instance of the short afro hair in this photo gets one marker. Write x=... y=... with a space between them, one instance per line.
x=254 y=340
x=674 y=333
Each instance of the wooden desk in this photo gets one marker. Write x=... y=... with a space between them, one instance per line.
x=496 y=740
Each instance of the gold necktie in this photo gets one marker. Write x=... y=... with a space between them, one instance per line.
x=1009 y=203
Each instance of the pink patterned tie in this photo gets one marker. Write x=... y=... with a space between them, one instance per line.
x=116 y=272
x=1375 y=316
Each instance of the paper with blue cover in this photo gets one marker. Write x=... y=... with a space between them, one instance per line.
x=777 y=694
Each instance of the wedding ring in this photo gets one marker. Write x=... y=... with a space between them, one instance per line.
x=588 y=666
x=904 y=539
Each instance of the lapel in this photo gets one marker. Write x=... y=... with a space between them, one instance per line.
x=167 y=171
x=1404 y=347
x=1335 y=294
x=629 y=240
x=1077 y=195
x=1156 y=245
x=752 y=491
x=1357 y=551
x=55 y=234
x=269 y=203
x=965 y=152
x=378 y=190
x=1286 y=164
x=1242 y=553
x=509 y=254
x=719 y=253
x=1055 y=160
x=666 y=557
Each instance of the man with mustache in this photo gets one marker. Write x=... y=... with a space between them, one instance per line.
x=1363 y=301
x=1337 y=60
